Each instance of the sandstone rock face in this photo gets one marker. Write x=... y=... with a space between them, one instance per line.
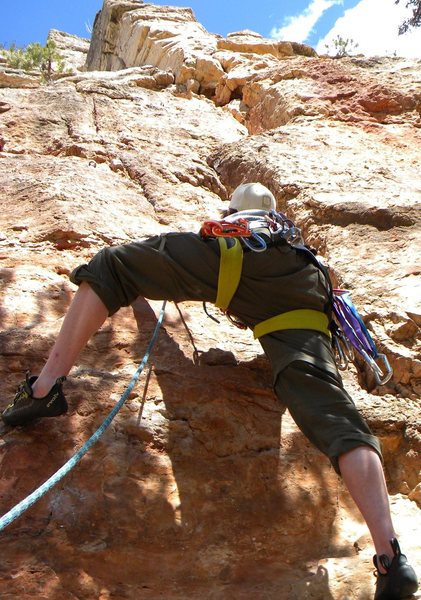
x=16 y=78
x=72 y=48
x=135 y=34
x=201 y=488
x=350 y=90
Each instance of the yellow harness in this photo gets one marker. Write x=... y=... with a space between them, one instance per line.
x=230 y=268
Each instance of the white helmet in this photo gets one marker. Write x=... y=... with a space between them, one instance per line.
x=252 y=196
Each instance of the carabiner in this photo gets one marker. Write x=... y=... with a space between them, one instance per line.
x=293 y=236
x=387 y=375
x=381 y=376
x=262 y=244
x=341 y=358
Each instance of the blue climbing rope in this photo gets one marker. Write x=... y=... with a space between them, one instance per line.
x=20 y=508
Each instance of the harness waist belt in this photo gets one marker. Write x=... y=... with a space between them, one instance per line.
x=303 y=318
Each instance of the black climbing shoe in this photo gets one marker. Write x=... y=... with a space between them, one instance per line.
x=25 y=408
x=399 y=581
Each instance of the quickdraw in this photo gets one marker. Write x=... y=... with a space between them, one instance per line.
x=354 y=334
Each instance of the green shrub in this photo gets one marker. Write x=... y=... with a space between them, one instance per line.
x=340 y=47
x=35 y=57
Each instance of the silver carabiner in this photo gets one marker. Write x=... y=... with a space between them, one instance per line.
x=262 y=244
x=384 y=376
x=293 y=236
x=381 y=376
x=341 y=358
x=343 y=349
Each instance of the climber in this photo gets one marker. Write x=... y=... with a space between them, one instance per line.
x=279 y=278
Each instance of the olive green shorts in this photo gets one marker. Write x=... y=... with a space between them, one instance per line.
x=182 y=267
x=323 y=410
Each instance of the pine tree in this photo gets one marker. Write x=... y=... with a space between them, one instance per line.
x=35 y=57
x=415 y=20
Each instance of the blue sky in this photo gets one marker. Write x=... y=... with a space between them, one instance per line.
x=373 y=24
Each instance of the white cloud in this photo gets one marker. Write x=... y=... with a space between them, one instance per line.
x=298 y=28
x=373 y=24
